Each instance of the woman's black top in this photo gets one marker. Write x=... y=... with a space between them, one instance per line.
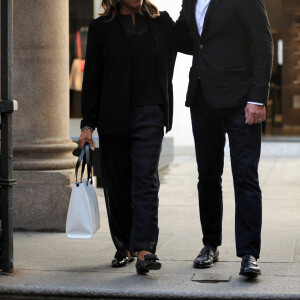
x=106 y=90
x=145 y=87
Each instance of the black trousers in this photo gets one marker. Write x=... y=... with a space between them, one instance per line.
x=129 y=166
x=209 y=129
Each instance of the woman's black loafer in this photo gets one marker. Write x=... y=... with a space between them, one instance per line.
x=150 y=262
x=121 y=259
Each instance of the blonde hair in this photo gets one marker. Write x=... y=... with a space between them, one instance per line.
x=112 y=8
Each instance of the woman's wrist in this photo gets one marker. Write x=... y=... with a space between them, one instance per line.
x=87 y=128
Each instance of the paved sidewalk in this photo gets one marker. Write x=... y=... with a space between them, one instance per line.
x=50 y=264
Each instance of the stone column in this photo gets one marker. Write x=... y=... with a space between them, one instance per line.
x=43 y=160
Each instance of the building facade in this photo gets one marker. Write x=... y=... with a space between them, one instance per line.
x=283 y=115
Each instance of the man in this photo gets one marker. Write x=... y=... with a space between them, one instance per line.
x=227 y=93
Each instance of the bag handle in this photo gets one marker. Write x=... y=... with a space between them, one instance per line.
x=85 y=158
x=88 y=156
x=80 y=158
x=87 y=161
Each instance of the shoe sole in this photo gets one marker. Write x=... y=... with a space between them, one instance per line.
x=154 y=267
x=250 y=274
x=142 y=272
x=216 y=259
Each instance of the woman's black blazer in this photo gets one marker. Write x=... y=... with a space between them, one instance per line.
x=106 y=82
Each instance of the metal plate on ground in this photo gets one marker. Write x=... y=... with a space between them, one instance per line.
x=210 y=277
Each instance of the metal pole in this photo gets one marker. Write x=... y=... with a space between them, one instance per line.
x=7 y=106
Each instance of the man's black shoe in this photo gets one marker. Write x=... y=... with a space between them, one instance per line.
x=206 y=258
x=249 y=267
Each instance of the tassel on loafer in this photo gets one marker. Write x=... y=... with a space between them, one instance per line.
x=150 y=262
x=121 y=259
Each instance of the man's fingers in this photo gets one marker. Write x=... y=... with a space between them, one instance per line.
x=260 y=116
x=255 y=114
x=263 y=115
x=257 y=119
x=246 y=115
x=249 y=118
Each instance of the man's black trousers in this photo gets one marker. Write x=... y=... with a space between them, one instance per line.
x=209 y=129
x=129 y=166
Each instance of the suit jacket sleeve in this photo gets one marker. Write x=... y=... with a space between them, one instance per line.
x=173 y=52
x=254 y=17
x=92 y=78
x=182 y=37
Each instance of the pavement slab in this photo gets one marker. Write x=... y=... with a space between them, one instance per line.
x=53 y=266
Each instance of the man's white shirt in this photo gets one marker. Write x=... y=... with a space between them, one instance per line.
x=201 y=10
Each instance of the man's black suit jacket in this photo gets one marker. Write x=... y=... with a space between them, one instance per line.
x=106 y=82
x=233 y=56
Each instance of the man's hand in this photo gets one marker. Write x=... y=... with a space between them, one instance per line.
x=86 y=137
x=255 y=113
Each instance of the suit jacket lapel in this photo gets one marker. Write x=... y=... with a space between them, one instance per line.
x=211 y=8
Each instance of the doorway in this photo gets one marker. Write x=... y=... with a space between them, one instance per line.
x=283 y=113
x=80 y=15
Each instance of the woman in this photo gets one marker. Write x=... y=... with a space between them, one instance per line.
x=127 y=95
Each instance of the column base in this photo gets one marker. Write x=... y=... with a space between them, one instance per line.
x=55 y=156
x=41 y=199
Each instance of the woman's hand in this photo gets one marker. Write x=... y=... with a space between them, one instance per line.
x=86 y=136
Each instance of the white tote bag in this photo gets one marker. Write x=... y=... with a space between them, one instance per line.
x=83 y=218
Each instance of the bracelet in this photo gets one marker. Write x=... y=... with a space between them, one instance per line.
x=87 y=127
